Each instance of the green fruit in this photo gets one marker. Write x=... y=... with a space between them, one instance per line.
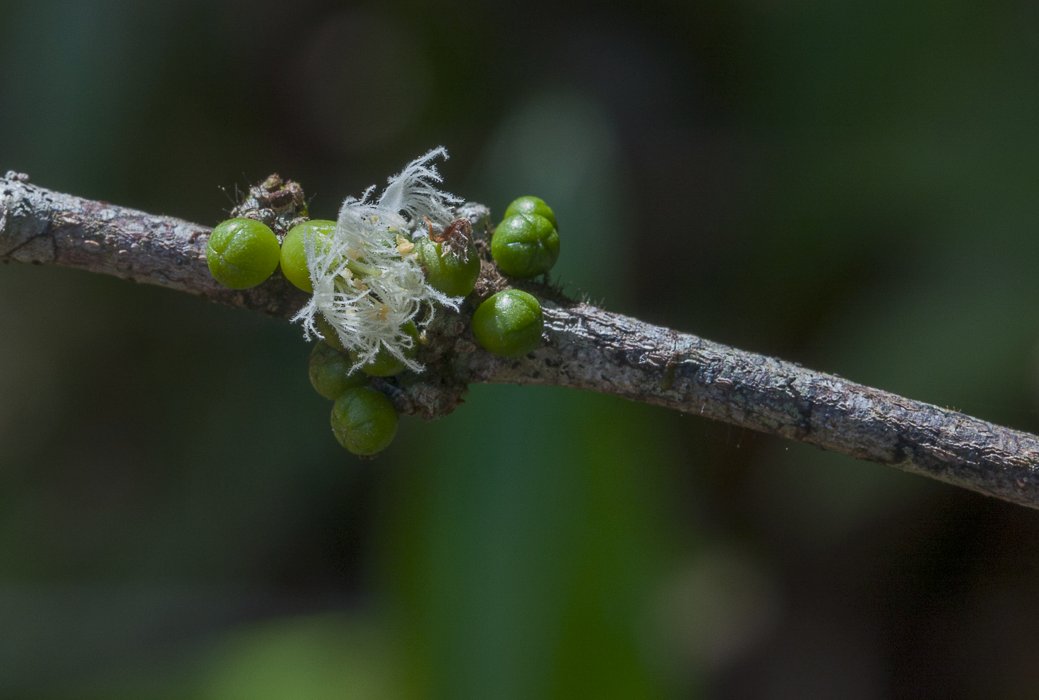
x=329 y=336
x=447 y=271
x=531 y=205
x=509 y=323
x=330 y=374
x=242 y=253
x=364 y=421
x=294 y=254
x=525 y=245
x=385 y=363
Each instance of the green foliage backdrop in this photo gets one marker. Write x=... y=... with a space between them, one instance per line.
x=851 y=185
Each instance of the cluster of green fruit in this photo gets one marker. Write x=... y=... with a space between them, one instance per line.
x=243 y=253
x=524 y=244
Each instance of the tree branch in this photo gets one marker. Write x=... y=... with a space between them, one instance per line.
x=585 y=348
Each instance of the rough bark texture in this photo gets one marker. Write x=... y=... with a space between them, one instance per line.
x=49 y=228
x=585 y=348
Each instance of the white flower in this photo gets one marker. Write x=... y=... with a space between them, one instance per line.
x=367 y=282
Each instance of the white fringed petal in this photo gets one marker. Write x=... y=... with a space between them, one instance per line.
x=369 y=305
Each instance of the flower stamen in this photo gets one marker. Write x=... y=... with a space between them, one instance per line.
x=366 y=284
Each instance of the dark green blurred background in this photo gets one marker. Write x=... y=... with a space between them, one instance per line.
x=851 y=185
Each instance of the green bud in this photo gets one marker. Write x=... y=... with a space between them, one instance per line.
x=525 y=245
x=242 y=253
x=386 y=364
x=329 y=336
x=330 y=374
x=509 y=323
x=294 y=254
x=531 y=205
x=452 y=272
x=364 y=421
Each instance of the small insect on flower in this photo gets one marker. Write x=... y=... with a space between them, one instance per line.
x=369 y=286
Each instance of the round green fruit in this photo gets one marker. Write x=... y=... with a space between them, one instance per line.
x=330 y=374
x=329 y=336
x=294 y=253
x=509 y=323
x=530 y=204
x=450 y=272
x=525 y=245
x=364 y=421
x=386 y=364
x=242 y=253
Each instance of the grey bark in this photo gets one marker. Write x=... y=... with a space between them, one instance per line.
x=584 y=347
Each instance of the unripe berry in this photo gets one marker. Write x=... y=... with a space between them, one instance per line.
x=294 y=254
x=509 y=323
x=242 y=253
x=329 y=336
x=364 y=421
x=452 y=272
x=530 y=204
x=525 y=245
x=329 y=372
x=386 y=364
